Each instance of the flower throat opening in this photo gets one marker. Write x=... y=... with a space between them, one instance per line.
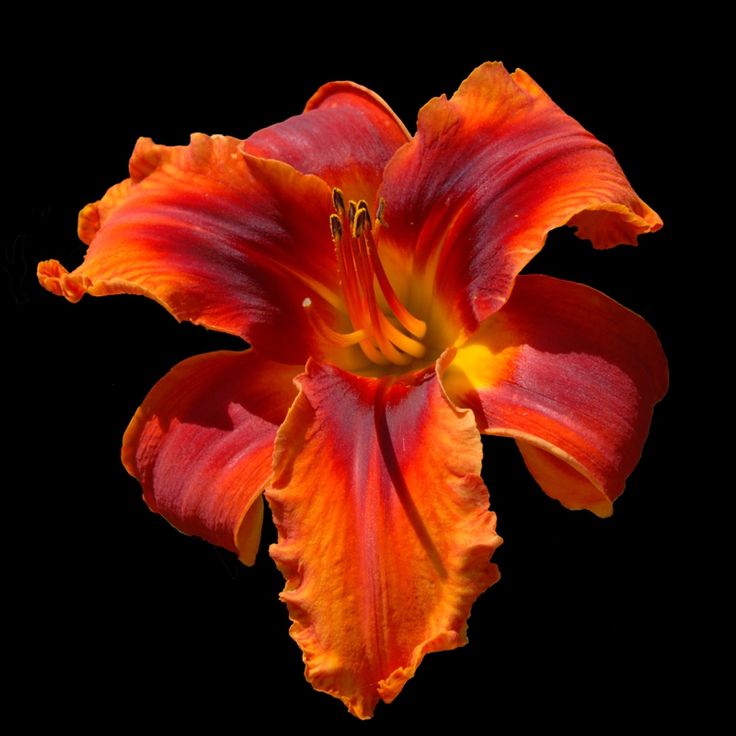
x=387 y=336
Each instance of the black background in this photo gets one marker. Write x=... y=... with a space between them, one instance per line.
x=118 y=616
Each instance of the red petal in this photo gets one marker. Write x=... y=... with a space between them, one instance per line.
x=573 y=377
x=384 y=528
x=346 y=135
x=213 y=241
x=201 y=444
x=488 y=174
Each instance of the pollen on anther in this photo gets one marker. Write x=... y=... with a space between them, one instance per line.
x=362 y=207
x=335 y=227
x=359 y=222
x=307 y=303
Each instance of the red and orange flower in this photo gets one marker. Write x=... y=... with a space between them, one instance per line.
x=376 y=277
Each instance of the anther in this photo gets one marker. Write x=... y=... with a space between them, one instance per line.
x=363 y=207
x=335 y=226
x=380 y=211
x=384 y=337
x=359 y=222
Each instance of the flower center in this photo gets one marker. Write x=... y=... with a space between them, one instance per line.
x=386 y=332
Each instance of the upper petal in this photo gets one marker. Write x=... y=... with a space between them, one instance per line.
x=213 y=240
x=488 y=174
x=573 y=377
x=384 y=528
x=202 y=441
x=346 y=135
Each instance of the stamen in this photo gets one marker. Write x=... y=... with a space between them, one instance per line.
x=359 y=265
x=362 y=207
x=359 y=223
x=402 y=341
x=335 y=227
x=373 y=353
x=377 y=318
x=348 y=272
x=413 y=324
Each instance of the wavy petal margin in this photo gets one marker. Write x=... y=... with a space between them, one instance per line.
x=213 y=240
x=489 y=173
x=201 y=445
x=571 y=375
x=346 y=136
x=384 y=530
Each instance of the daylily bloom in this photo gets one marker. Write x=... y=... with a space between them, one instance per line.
x=375 y=276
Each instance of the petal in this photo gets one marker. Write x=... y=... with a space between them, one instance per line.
x=202 y=441
x=212 y=240
x=384 y=529
x=573 y=377
x=488 y=174
x=346 y=135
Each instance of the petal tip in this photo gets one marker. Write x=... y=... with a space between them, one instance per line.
x=56 y=279
x=146 y=158
x=602 y=510
x=610 y=224
x=248 y=533
x=89 y=222
x=340 y=89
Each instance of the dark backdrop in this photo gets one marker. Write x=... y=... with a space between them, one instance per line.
x=120 y=617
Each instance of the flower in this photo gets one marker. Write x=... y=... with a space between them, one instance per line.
x=376 y=277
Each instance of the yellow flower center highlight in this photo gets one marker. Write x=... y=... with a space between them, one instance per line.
x=384 y=329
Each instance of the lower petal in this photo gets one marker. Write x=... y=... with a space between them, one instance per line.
x=384 y=530
x=573 y=377
x=202 y=441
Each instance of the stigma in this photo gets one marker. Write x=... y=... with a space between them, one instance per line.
x=383 y=328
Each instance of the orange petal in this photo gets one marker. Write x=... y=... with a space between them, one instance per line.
x=202 y=441
x=195 y=229
x=488 y=174
x=384 y=530
x=573 y=377
x=346 y=135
